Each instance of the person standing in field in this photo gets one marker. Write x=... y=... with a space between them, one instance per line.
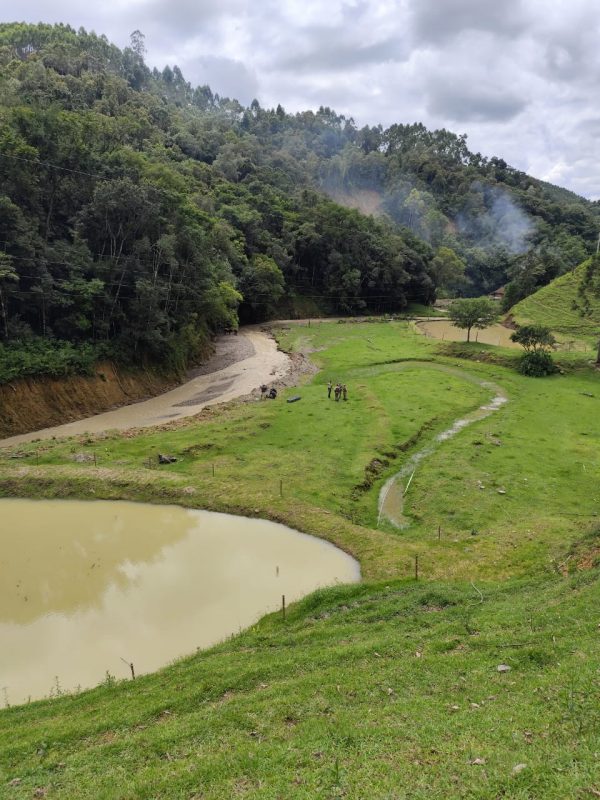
x=345 y=391
x=338 y=391
x=329 y=388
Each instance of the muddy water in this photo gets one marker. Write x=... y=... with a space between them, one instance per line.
x=257 y=361
x=87 y=586
x=391 y=496
x=444 y=329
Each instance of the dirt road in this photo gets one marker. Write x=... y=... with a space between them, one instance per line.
x=241 y=363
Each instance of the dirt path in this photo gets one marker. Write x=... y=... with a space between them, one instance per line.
x=240 y=364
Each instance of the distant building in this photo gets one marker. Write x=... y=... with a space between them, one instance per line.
x=498 y=294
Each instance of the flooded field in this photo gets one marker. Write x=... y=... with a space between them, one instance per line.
x=444 y=329
x=87 y=589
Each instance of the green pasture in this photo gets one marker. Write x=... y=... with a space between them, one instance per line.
x=389 y=689
x=557 y=306
x=506 y=496
x=380 y=690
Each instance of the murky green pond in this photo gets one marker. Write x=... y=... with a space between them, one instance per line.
x=444 y=329
x=87 y=588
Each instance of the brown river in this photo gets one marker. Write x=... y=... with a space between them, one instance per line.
x=88 y=588
x=240 y=364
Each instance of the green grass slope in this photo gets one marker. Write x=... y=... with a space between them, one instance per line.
x=381 y=691
x=388 y=689
x=556 y=306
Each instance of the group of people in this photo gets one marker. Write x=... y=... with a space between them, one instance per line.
x=339 y=391
x=267 y=393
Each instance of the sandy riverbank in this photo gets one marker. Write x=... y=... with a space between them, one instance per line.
x=240 y=364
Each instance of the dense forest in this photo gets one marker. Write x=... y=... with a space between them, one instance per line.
x=139 y=214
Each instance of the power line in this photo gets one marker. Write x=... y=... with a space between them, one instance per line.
x=53 y=166
x=39 y=162
x=314 y=296
x=99 y=256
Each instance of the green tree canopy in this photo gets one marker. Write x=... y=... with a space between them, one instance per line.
x=475 y=312
x=448 y=269
x=534 y=338
x=130 y=198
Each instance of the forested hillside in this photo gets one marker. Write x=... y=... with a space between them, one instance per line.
x=138 y=214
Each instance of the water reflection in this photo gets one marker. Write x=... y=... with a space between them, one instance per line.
x=444 y=329
x=61 y=557
x=85 y=585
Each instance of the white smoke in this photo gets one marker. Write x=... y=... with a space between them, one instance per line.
x=497 y=221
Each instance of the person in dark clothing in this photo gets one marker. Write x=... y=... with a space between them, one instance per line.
x=338 y=392
x=345 y=391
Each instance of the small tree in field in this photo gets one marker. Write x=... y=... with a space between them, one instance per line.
x=473 y=312
x=534 y=338
x=537 y=341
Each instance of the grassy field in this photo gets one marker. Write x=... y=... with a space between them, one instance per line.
x=556 y=306
x=389 y=689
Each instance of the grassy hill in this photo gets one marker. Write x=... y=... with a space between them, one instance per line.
x=556 y=306
x=388 y=689
x=381 y=691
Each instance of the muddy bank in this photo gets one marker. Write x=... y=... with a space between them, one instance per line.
x=28 y=404
x=239 y=365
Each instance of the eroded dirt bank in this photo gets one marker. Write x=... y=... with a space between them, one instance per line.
x=239 y=365
x=31 y=403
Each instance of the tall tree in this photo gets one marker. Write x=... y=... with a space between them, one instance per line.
x=475 y=312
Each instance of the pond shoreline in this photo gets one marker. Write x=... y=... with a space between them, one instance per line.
x=139 y=574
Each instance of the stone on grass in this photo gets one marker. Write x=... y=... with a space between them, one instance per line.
x=503 y=668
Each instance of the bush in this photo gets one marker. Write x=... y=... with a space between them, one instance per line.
x=534 y=337
x=52 y=357
x=536 y=364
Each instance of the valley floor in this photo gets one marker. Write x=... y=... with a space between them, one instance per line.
x=391 y=688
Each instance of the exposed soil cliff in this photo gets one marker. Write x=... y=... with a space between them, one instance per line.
x=32 y=403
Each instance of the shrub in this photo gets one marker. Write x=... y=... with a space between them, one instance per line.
x=534 y=337
x=537 y=364
x=38 y=356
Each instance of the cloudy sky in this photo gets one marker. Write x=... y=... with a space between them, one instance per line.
x=520 y=77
